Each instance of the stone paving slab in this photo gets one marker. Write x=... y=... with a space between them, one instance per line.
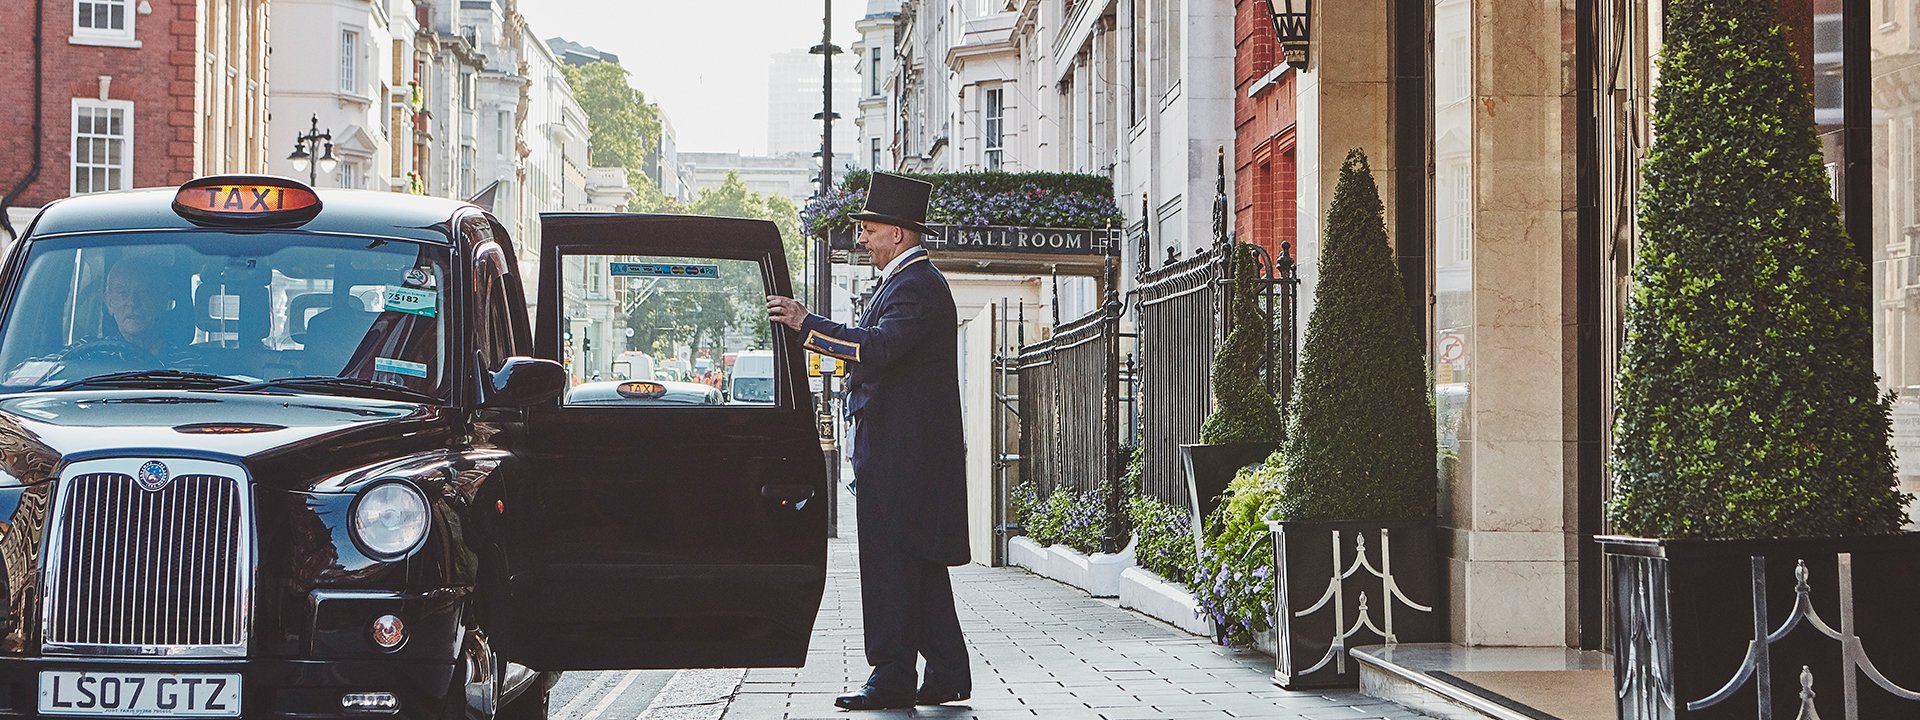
x=1041 y=649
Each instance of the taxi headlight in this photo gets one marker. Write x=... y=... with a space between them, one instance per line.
x=389 y=520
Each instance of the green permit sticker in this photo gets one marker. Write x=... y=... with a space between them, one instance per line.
x=399 y=367
x=414 y=301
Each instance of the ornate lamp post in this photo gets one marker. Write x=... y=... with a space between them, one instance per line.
x=1293 y=27
x=311 y=155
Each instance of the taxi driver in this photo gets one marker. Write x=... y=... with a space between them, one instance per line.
x=136 y=302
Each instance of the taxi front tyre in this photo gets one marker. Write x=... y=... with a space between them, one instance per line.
x=530 y=705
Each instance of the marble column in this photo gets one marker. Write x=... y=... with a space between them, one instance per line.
x=1511 y=503
x=1342 y=105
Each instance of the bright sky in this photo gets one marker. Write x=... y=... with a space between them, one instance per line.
x=703 y=61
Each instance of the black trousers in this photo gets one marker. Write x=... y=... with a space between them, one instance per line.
x=907 y=608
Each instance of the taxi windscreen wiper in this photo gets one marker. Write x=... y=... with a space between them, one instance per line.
x=329 y=382
x=148 y=379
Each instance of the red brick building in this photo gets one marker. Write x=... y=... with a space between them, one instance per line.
x=130 y=93
x=1264 y=119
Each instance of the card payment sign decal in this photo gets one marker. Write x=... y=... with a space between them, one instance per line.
x=675 y=270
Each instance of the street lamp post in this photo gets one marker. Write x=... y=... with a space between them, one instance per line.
x=823 y=259
x=311 y=155
x=1293 y=27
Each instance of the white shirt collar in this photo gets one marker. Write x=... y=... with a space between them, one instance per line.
x=900 y=261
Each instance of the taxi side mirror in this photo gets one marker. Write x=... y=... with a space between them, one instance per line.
x=525 y=381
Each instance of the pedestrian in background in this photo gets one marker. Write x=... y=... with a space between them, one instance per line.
x=903 y=392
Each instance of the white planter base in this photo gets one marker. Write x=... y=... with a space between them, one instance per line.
x=1154 y=597
x=1098 y=574
x=1025 y=553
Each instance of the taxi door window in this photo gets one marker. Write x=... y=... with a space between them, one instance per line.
x=655 y=331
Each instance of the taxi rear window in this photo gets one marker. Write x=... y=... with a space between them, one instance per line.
x=250 y=305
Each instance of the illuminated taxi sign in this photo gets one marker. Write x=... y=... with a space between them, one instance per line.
x=246 y=200
x=642 y=390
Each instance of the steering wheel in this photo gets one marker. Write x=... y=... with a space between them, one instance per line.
x=108 y=349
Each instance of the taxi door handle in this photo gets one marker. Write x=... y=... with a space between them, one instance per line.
x=787 y=493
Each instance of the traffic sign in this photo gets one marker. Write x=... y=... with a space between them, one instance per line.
x=832 y=365
x=1452 y=348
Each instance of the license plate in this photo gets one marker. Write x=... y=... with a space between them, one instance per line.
x=68 y=692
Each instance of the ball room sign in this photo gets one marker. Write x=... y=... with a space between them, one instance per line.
x=1024 y=240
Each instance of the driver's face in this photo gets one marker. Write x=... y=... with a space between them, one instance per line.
x=134 y=305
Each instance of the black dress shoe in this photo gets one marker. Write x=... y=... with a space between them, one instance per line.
x=931 y=696
x=872 y=698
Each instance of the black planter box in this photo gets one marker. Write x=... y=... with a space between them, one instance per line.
x=1718 y=628
x=1338 y=585
x=1210 y=468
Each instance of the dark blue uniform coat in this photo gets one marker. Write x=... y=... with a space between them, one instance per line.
x=903 y=390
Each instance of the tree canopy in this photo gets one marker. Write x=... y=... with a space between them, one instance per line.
x=703 y=320
x=625 y=127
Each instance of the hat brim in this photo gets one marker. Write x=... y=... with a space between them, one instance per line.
x=886 y=219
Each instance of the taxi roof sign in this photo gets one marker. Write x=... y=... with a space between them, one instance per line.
x=246 y=200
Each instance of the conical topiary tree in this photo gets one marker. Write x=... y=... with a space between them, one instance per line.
x=1243 y=411
x=1748 y=402
x=1361 y=445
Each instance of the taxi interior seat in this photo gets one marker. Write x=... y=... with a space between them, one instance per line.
x=236 y=346
x=333 y=336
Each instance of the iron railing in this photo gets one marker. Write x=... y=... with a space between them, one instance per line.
x=1080 y=398
x=1071 y=418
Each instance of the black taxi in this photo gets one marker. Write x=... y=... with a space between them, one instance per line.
x=267 y=451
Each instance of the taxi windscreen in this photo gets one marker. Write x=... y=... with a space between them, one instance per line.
x=253 y=306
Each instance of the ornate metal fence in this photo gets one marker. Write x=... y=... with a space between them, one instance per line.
x=1079 y=397
x=1181 y=323
x=1067 y=436
x=1071 y=399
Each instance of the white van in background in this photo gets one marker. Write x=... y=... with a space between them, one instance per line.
x=632 y=365
x=751 y=382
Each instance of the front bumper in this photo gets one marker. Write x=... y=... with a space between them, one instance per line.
x=269 y=688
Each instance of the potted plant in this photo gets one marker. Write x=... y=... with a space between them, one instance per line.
x=1245 y=424
x=1760 y=569
x=1355 y=545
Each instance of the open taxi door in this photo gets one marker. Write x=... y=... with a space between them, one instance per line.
x=664 y=523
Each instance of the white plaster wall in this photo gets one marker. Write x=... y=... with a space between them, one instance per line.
x=300 y=91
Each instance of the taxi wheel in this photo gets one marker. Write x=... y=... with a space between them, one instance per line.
x=466 y=691
x=531 y=705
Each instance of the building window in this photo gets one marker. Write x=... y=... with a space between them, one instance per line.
x=349 y=175
x=102 y=145
x=992 y=120
x=102 y=20
x=505 y=120
x=349 y=61
x=873 y=73
x=874 y=164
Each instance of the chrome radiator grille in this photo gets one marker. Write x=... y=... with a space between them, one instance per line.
x=130 y=568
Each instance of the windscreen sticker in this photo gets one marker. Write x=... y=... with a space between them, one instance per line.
x=399 y=367
x=414 y=301
x=676 y=270
x=32 y=372
x=420 y=277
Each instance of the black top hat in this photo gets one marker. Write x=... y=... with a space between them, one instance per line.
x=899 y=201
